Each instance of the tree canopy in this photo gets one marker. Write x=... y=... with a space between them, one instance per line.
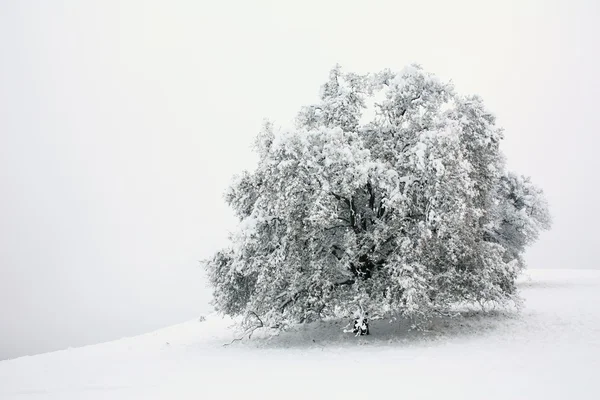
x=390 y=193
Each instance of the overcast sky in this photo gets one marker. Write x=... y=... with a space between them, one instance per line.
x=121 y=124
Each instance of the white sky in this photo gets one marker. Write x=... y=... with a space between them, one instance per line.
x=122 y=122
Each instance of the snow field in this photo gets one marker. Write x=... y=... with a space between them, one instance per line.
x=551 y=350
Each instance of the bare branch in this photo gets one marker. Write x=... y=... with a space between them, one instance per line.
x=248 y=331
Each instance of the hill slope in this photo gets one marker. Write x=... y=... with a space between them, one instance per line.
x=549 y=351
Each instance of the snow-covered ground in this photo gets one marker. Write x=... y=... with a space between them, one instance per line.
x=551 y=350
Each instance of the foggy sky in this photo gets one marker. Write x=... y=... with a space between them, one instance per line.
x=121 y=124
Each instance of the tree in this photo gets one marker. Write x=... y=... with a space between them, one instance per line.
x=390 y=194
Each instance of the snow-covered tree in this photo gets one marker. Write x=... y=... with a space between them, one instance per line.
x=390 y=194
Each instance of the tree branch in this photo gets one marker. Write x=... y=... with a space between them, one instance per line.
x=371 y=196
x=348 y=281
x=248 y=331
x=337 y=226
x=291 y=299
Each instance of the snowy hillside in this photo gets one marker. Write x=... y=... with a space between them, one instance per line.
x=550 y=351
